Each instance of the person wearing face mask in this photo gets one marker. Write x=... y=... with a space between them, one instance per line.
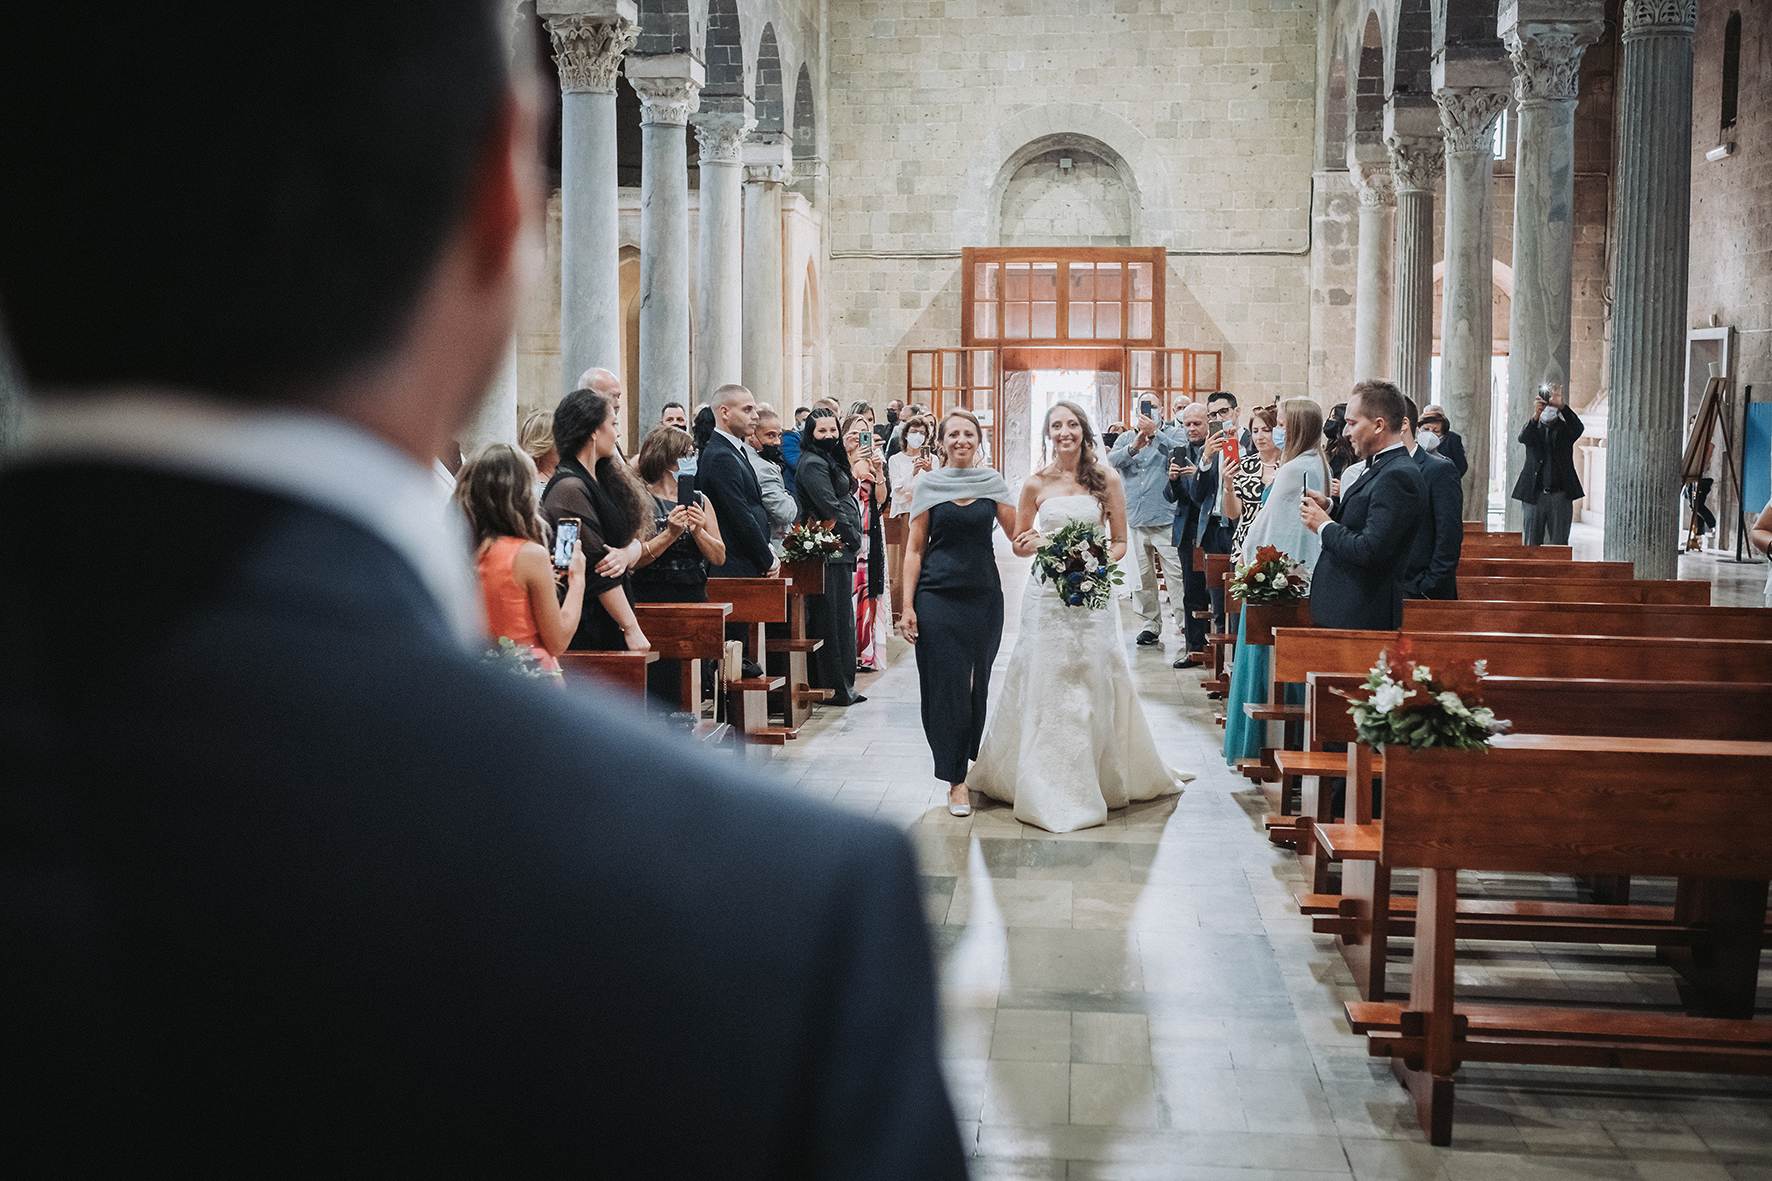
x=1438 y=438
x=763 y=449
x=1141 y=456
x=903 y=469
x=1432 y=569
x=674 y=561
x=825 y=489
x=1548 y=486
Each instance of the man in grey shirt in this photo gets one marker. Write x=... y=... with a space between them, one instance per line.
x=1141 y=455
x=764 y=451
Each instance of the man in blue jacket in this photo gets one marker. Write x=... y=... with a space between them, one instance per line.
x=1432 y=571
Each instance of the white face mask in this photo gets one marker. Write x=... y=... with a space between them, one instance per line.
x=1280 y=437
x=914 y=440
x=1428 y=439
x=1549 y=414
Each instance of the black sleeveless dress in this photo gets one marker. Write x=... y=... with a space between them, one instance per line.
x=959 y=605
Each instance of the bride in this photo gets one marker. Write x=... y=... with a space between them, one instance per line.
x=1069 y=740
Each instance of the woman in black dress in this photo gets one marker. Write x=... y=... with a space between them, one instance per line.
x=615 y=518
x=954 y=614
x=685 y=541
x=825 y=489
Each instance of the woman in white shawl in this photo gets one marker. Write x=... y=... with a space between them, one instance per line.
x=1302 y=465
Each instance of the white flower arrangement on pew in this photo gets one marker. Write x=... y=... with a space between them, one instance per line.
x=1405 y=704
x=811 y=541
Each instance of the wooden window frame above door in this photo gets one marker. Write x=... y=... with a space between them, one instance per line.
x=971 y=256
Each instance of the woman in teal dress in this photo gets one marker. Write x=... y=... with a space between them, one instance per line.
x=1295 y=447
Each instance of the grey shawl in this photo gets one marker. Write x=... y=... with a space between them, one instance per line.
x=958 y=483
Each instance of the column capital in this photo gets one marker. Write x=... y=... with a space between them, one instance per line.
x=721 y=134
x=590 y=39
x=1660 y=18
x=669 y=86
x=1373 y=182
x=1417 y=161
x=1468 y=114
x=1545 y=40
x=769 y=161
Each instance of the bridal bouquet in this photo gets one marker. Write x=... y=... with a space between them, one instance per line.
x=1405 y=704
x=1075 y=561
x=519 y=660
x=811 y=542
x=1272 y=577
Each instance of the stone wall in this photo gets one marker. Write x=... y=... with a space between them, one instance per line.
x=1731 y=262
x=1211 y=111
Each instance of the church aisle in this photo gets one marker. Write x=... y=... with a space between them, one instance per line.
x=1144 y=1000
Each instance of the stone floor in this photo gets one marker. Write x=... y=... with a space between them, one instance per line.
x=1143 y=1000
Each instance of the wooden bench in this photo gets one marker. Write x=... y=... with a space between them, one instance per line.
x=1482 y=528
x=691 y=633
x=756 y=603
x=1571 y=805
x=797 y=697
x=1589 y=619
x=622 y=670
x=1364 y=915
x=1479 y=547
x=1585 y=590
x=1487 y=567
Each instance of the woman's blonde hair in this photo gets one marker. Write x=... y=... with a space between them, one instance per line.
x=536 y=436
x=1090 y=473
x=941 y=434
x=1303 y=420
x=495 y=491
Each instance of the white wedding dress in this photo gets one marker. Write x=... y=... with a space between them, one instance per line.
x=1068 y=739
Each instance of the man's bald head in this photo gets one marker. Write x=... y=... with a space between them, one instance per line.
x=601 y=380
x=1193 y=420
x=735 y=409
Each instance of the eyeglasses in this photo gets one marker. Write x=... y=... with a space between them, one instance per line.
x=1220 y=414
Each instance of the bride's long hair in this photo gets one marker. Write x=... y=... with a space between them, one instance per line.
x=1090 y=473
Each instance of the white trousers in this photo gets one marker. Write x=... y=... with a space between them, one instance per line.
x=1159 y=541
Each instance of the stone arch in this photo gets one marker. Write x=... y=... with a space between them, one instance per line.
x=766 y=98
x=664 y=28
x=1071 y=191
x=1366 y=125
x=725 y=51
x=1336 y=112
x=1029 y=133
x=811 y=345
x=1411 y=69
x=805 y=120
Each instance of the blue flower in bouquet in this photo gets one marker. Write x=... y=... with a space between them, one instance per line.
x=1076 y=600
x=1074 y=562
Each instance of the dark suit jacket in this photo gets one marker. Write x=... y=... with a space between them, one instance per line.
x=1358 y=581
x=1189 y=495
x=1452 y=448
x=821 y=499
x=1432 y=572
x=1550 y=450
x=295 y=886
x=726 y=476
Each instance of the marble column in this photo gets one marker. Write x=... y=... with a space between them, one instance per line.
x=768 y=169
x=496 y=419
x=589 y=38
x=1649 y=287
x=669 y=86
x=1467 y=303
x=1545 y=42
x=719 y=352
x=1372 y=284
x=1415 y=168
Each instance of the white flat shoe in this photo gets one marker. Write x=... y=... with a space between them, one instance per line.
x=959 y=809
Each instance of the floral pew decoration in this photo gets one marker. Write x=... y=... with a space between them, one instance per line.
x=1404 y=703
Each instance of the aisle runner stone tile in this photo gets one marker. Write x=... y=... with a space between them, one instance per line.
x=1143 y=999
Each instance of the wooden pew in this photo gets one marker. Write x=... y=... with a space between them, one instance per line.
x=1584 y=590
x=1569 y=805
x=1486 y=567
x=797 y=696
x=755 y=602
x=691 y=633
x=1482 y=527
x=1589 y=619
x=1479 y=547
x=1222 y=644
x=1364 y=916
x=622 y=670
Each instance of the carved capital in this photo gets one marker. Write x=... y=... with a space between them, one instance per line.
x=1417 y=161
x=1647 y=18
x=1547 y=60
x=1374 y=184
x=720 y=134
x=768 y=174
x=1468 y=114
x=666 y=101
x=588 y=50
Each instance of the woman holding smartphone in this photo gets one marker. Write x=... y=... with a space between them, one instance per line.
x=495 y=491
x=868 y=469
x=685 y=541
x=593 y=485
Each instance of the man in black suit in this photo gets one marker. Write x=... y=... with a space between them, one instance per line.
x=295 y=881
x=1548 y=486
x=1367 y=535
x=724 y=473
x=1432 y=571
x=1188 y=490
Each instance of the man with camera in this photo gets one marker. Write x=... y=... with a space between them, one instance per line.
x=1141 y=456
x=1188 y=492
x=1548 y=486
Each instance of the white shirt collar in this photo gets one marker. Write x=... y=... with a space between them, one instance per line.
x=737 y=442
x=304 y=455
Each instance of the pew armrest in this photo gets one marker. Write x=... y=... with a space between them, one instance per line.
x=1350 y=842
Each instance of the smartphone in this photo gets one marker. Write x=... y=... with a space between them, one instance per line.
x=867 y=440
x=686 y=489
x=565 y=537
x=1147 y=408
x=1232 y=456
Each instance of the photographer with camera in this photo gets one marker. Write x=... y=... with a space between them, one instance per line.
x=1141 y=456
x=1548 y=486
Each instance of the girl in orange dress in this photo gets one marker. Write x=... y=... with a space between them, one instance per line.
x=495 y=491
